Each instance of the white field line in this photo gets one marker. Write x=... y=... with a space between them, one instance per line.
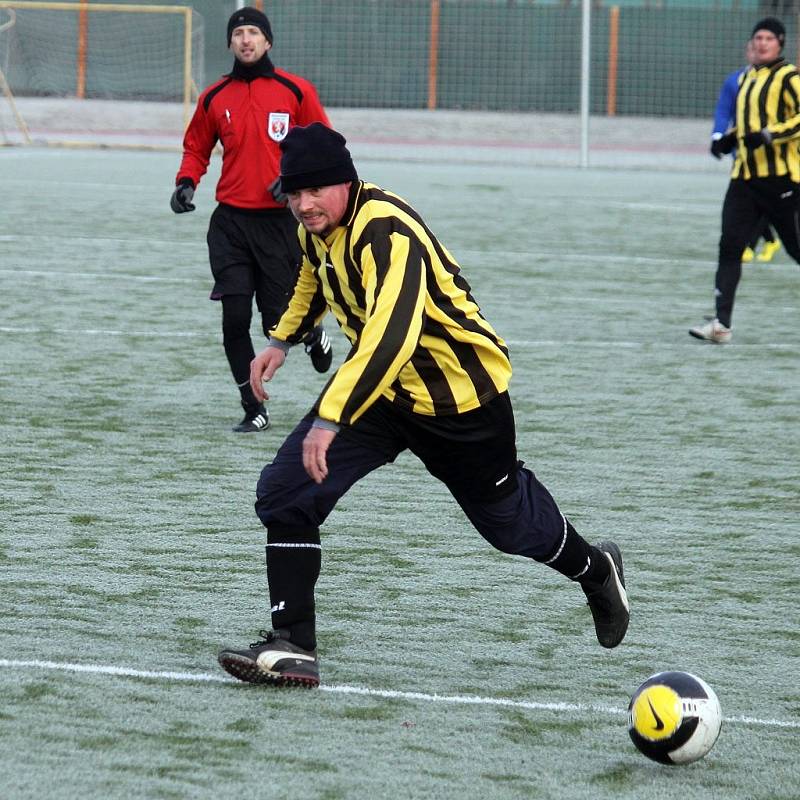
x=104 y=332
x=39 y=273
x=467 y=258
x=95 y=240
x=93 y=276
x=595 y=344
x=679 y=342
x=459 y=699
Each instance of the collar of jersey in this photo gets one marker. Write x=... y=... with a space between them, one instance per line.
x=778 y=62
x=263 y=68
x=352 y=203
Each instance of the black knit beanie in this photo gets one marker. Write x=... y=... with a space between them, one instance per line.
x=249 y=16
x=773 y=26
x=313 y=156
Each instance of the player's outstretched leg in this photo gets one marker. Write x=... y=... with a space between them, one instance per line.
x=608 y=601
x=274 y=660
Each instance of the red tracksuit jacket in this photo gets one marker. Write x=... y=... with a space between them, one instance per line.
x=250 y=119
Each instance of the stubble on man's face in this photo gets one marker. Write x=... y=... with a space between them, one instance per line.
x=320 y=209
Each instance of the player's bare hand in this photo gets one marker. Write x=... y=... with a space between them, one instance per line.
x=263 y=367
x=315 y=453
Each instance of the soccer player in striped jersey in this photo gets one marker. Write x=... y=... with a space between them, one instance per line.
x=426 y=372
x=724 y=117
x=765 y=179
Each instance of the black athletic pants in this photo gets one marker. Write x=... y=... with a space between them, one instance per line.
x=252 y=253
x=762 y=230
x=745 y=203
x=473 y=454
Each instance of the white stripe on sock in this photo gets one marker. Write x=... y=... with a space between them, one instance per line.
x=294 y=544
x=563 y=542
x=588 y=562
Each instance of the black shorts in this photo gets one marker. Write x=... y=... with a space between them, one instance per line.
x=474 y=453
x=254 y=253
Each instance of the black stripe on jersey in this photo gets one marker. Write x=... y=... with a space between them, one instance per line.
x=309 y=249
x=214 y=92
x=332 y=279
x=468 y=358
x=402 y=397
x=318 y=302
x=354 y=274
x=434 y=379
x=290 y=85
x=377 y=233
x=781 y=109
x=749 y=156
x=393 y=338
x=763 y=99
x=761 y=102
x=352 y=203
x=789 y=89
x=353 y=322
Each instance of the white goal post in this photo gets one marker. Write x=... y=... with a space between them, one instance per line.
x=90 y=54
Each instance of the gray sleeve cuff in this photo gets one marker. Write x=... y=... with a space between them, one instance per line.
x=279 y=343
x=326 y=424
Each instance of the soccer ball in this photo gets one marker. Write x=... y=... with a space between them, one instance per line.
x=674 y=717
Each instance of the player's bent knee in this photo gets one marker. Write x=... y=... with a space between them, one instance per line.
x=290 y=498
x=512 y=526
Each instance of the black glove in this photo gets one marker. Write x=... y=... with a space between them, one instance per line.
x=275 y=190
x=181 y=200
x=756 y=139
x=723 y=145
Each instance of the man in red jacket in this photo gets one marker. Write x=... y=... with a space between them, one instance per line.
x=252 y=235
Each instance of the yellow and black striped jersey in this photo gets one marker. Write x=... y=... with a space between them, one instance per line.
x=418 y=337
x=769 y=97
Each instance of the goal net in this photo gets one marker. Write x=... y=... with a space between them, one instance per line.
x=65 y=67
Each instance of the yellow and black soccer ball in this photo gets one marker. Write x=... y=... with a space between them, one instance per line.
x=674 y=717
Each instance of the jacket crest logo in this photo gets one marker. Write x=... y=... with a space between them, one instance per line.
x=278 y=125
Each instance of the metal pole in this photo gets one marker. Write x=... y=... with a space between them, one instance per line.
x=187 y=66
x=585 y=67
x=433 y=55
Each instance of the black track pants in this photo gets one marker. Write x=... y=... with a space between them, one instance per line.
x=746 y=202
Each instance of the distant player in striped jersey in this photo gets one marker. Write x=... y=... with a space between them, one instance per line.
x=426 y=372
x=724 y=119
x=765 y=179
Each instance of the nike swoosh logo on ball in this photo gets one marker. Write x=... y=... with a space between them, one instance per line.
x=659 y=726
